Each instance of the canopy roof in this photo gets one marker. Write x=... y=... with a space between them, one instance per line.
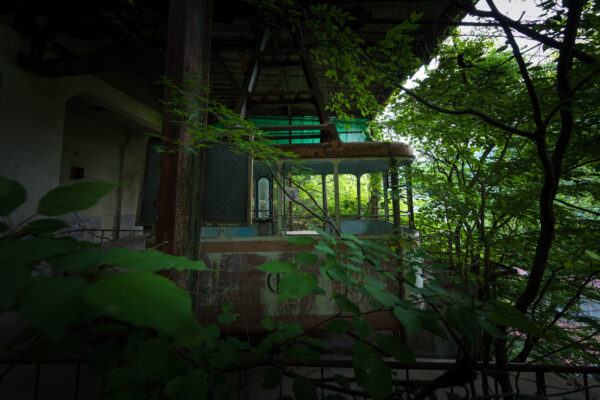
x=125 y=45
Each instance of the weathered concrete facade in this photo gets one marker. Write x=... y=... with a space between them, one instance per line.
x=50 y=125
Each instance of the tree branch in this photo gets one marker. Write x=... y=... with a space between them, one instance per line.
x=535 y=103
x=577 y=207
x=526 y=30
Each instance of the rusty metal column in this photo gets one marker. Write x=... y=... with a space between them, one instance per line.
x=395 y=193
x=358 y=199
x=336 y=188
x=188 y=55
x=409 y=198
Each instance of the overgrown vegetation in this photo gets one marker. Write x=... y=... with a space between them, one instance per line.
x=509 y=185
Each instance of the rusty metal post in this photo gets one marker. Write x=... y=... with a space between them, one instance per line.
x=358 y=196
x=188 y=55
x=409 y=198
x=336 y=188
x=395 y=193
x=540 y=383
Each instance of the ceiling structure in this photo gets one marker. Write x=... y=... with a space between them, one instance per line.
x=125 y=45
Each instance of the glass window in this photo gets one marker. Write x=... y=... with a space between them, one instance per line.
x=263 y=208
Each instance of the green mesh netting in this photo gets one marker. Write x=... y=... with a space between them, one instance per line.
x=355 y=130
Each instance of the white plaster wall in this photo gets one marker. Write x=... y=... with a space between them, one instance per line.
x=32 y=119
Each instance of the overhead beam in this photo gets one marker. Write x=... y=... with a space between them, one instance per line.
x=45 y=7
x=281 y=98
x=89 y=64
x=274 y=128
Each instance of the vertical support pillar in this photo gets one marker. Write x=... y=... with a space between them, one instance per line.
x=188 y=55
x=358 y=199
x=395 y=193
x=280 y=199
x=409 y=198
x=385 y=196
x=290 y=202
x=325 y=204
x=540 y=383
x=336 y=188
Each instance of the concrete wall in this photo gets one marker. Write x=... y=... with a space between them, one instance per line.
x=109 y=148
x=34 y=116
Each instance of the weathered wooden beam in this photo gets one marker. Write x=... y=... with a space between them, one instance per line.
x=188 y=54
x=330 y=134
x=281 y=98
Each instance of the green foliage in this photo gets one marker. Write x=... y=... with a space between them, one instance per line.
x=79 y=196
x=12 y=195
x=372 y=373
x=474 y=191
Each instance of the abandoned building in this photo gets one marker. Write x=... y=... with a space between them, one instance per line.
x=81 y=99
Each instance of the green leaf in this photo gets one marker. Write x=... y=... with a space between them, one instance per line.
x=304 y=389
x=27 y=251
x=44 y=226
x=118 y=378
x=79 y=196
x=194 y=386
x=173 y=387
x=149 y=261
x=290 y=330
x=302 y=352
x=106 y=357
x=433 y=326
x=271 y=378
x=268 y=323
x=516 y=320
x=77 y=261
x=324 y=249
x=346 y=305
x=12 y=195
x=349 y=236
x=409 y=320
x=392 y=346
x=147 y=300
x=316 y=342
x=152 y=359
x=296 y=285
x=305 y=258
x=223 y=357
x=325 y=235
x=462 y=320
x=278 y=267
x=300 y=240
x=371 y=372
x=12 y=280
x=361 y=327
x=52 y=304
x=509 y=315
x=226 y=318
x=342 y=381
x=338 y=326
x=491 y=329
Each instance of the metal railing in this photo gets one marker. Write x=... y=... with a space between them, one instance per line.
x=107 y=239
x=541 y=381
